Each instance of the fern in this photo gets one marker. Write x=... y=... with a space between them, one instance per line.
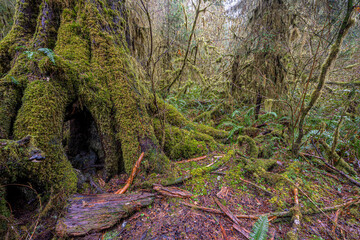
x=260 y=229
x=49 y=53
x=248 y=116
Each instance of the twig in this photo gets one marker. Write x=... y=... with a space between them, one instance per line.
x=223 y=231
x=172 y=191
x=132 y=176
x=253 y=184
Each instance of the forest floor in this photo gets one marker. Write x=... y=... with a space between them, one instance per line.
x=171 y=218
x=245 y=185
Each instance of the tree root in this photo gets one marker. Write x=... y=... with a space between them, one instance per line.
x=199 y=171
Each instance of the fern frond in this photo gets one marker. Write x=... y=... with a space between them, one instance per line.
x=49 y=53
x=260 y=229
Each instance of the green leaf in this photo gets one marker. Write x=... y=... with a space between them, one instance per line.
x=260 y=229
x=49 y=53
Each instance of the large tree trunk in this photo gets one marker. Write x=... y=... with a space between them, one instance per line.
x=86 y=100
x=91 y=72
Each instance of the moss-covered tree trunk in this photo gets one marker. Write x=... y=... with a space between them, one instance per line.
x=89 y=68
x=66 y=64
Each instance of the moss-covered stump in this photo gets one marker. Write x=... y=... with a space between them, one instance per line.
x=94 y=213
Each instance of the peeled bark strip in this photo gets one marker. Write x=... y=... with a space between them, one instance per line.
x=93 y=213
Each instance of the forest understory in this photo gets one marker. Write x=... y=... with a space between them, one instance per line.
x=179 y=119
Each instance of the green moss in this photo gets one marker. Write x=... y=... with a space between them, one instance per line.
x=41 y=116
x=175 y=118
x=253 y=149
x=251 y=131
x=181 y=143
x=201 y=180
x=4 y=211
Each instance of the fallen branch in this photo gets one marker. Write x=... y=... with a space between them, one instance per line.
x=228 y=213
x=172 y=191
x=132 y=176
x=253 y=184
x=294 y=231
x=193 y=159
x=198 y=171
x=335 y=169
x=284 y=214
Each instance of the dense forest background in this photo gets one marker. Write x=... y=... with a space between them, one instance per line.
x=253 y=103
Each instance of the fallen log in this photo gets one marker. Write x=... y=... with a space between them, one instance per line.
x=94 y=213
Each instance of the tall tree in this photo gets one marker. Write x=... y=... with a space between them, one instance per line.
x=260 y=64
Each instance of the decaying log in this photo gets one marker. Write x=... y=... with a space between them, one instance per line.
x=93 y=213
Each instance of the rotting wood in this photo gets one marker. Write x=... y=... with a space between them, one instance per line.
x=172 y=191
x=94 y=213
x=132 y=176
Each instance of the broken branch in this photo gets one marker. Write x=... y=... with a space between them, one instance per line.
x=132 y=176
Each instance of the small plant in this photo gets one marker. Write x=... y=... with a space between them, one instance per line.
x=45 y=51
x=260 y=229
